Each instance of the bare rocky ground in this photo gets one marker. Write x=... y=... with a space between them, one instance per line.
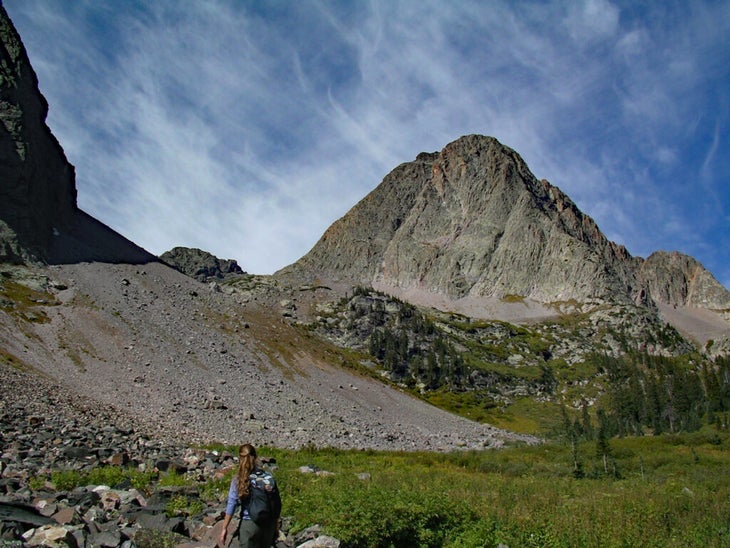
x=45 y=429
x=190 y=363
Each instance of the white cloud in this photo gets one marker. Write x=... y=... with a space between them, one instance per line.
x=592 y=20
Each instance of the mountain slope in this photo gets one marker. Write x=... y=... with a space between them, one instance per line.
x=202 y=365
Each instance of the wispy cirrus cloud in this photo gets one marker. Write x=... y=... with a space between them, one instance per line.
x=247 y=128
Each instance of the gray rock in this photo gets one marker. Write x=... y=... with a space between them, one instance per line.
x=109 y=538
x=678 y=279
x=23 y=514
x=50 y=536
x=321 y=542
x=201 y=265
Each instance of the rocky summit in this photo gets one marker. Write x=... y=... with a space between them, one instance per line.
x=201 y=265
x=473 y=220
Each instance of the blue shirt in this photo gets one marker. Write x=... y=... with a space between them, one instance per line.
x=234 y=500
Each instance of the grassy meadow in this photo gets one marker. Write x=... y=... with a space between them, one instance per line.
x=670 y=490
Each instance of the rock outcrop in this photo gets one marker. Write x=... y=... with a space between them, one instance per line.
x=679 y=280
x=201 y=265
x=39 y=219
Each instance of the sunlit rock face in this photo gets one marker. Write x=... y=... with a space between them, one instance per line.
x=679 y=280
x=472 y=220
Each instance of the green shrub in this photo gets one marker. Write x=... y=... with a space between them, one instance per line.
x=106 y=475
x=182 y=505
x=174 y=479
x=37 y=482
x=142 y=481
x=65 y=480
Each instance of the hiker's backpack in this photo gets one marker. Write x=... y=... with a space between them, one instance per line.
x=264 y=501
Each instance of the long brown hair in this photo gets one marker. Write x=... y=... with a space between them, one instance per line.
x=246 y=465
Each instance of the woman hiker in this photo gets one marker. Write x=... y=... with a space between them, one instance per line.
x=256 y=491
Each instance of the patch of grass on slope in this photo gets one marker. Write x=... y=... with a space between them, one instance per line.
x=8 y=358
x=24 y=302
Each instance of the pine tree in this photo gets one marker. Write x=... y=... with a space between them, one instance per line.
x=603 y=447
x=586 y=425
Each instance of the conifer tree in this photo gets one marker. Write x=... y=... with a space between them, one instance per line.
x=603 y=447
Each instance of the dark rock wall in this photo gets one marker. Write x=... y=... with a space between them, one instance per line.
x=39 y=219
x=37 y=186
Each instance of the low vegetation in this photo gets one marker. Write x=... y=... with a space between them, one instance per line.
x=654 y=491
x=24 y=299
x=667 y=490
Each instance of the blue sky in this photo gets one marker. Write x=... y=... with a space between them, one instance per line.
x=247 y=128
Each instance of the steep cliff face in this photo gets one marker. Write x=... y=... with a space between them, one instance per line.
x=39 y=220
x=473 y=221
x=38 y=191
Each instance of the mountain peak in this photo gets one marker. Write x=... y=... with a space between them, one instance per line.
x=472 y=222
